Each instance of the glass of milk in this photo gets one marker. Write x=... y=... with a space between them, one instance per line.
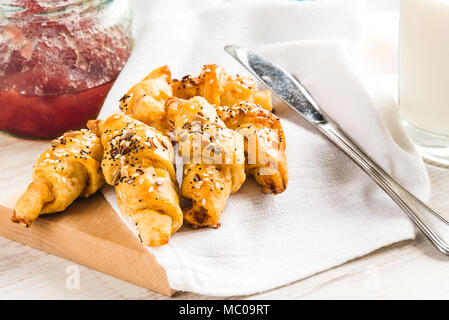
x=424 y=75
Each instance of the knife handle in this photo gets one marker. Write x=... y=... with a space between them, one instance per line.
x=435 y=227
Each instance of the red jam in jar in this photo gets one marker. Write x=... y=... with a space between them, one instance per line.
x=58 y=60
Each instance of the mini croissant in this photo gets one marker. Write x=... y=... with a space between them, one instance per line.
x=220 y=88
x=264 y=143
x=138 y=161
x=213 y=159
x=145 y=101
x=69 y=169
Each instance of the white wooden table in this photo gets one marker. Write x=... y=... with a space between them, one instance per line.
x=411 y=269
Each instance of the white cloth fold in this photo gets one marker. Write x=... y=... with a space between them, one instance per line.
x=331 y=212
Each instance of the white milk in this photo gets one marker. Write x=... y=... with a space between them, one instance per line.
x=424 y=64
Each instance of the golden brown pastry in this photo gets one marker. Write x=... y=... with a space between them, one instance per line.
x=138 y=161
x=264 y=143
x=69 y=169
x=213 y=159
x=146 y=100
x=220 y=88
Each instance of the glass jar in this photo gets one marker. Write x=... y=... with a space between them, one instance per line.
x=58 y=60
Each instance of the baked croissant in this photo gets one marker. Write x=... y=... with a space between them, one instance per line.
x=264 y=143
x=69 y=169
x=213 y=159
x=219 y=88
x=138 y=161
x=145 y=101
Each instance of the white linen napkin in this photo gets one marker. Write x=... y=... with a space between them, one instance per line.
x=331 y=212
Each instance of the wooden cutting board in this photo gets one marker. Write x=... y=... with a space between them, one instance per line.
x=90 y=233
